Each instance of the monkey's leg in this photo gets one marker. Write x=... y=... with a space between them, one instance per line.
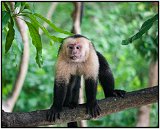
x=60 y=90
x=92 y=106
x=106 y=78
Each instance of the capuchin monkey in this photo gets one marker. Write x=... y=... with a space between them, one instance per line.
x=76 y=57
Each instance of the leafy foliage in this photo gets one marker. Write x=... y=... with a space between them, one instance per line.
x=147 y=47
x=36 y=40
x=144 y=28
x=52 y=25
x=36 y=23
x=23 y=9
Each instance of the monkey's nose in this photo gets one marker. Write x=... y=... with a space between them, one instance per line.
x=74 y=52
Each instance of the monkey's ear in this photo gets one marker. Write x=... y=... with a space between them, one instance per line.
x=62 y=40
x=91 y=44
x=60 y=47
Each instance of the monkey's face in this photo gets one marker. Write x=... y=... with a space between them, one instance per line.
x=77 y=49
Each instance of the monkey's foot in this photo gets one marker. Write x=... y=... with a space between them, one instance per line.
x=73 y=105
x=118 y=93
x=53 y=113
x=93 y=109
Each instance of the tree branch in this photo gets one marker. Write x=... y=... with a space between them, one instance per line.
x=108 y=106
x=77 y=17
x=49 y=14
x=8 y=105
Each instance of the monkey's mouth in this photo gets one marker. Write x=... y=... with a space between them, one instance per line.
x=73 y=57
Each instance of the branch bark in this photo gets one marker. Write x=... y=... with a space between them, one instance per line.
x=108 y=106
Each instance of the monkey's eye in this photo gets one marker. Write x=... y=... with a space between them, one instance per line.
x=70 y=47
x=78 y=47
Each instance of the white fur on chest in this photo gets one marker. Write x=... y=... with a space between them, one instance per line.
x=89 y=68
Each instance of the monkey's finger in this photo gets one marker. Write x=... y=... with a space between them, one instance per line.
x=49 y=118
x=92 y=112
x=47 y=115
x=98 y=111
x=115 y=94
x=53 y=117
x=95 y=113
x=122 y=93
x=58 y=115
x=87 y=110
x=119 y=93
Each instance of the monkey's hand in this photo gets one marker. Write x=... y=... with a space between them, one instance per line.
x=93 y=109
x=73 y=105
x=53 y=113
x=118 y=93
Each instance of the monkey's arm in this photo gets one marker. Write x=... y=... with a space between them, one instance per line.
x=60 y=90
x=92 y=105
x=106 y=78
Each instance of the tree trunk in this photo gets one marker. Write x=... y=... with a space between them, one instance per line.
x=144 y=111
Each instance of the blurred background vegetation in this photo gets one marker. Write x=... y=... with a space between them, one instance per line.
x=106 y=24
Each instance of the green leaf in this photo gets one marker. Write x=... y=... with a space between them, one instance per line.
x=145 y=27
x=6 y=6
x=3 y=7
x=23 y=3
x=36 y=40
x=22 y=6
x=5 y=18
x=52 y=25
x=51 y=43
x=10 y=35
x=142 y=31
x=137 y=35
x=37 y=24
x=27 y=6
x=17 y=4
x=149 y=21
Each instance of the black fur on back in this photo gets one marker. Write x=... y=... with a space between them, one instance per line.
x=106 y=78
